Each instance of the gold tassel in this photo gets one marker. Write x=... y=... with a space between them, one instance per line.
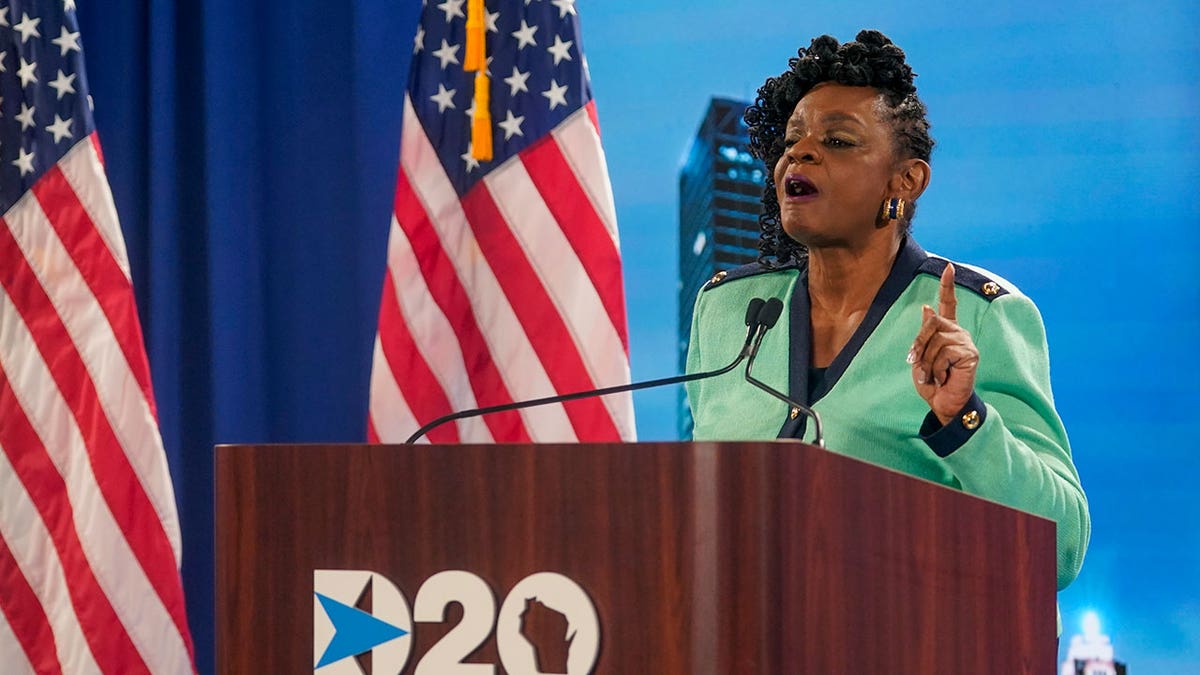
x=476 y=60
x=481 y=128
x=476 y=56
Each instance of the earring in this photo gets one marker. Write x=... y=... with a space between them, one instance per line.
x=894 y=208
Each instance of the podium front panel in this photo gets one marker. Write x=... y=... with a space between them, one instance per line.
x=623 y=558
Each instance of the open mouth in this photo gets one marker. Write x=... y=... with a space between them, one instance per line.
x=799 y=186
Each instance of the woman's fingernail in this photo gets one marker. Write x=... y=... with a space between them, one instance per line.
x=912 y=356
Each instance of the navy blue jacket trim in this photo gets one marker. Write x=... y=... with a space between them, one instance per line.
x=799 y=350
x=979 y=284
x=743 y=271
x=944 y=440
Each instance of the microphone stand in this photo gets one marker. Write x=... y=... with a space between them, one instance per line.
x=752 y=320
x=768 y=317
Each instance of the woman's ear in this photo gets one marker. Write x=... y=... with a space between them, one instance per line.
x=911 y=179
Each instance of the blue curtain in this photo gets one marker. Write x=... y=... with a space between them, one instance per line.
x=252 y=150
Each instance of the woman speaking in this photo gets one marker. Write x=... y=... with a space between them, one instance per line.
x=914 y=363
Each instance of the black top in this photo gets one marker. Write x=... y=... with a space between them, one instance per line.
x=815 y=377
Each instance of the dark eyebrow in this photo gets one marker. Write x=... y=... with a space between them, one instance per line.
x=840 y=117
x=830 y=118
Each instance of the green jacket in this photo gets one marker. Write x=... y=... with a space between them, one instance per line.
x=1016 y=451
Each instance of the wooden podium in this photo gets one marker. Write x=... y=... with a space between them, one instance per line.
x=763 y=557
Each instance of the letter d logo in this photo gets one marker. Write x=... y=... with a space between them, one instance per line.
x=341 y=630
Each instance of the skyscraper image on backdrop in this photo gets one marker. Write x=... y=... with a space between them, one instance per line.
x=719 y=189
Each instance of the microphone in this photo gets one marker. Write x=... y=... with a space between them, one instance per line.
x=753 y=322
x=769 y=315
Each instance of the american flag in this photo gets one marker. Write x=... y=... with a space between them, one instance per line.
x=89 y=537
x=504 y=276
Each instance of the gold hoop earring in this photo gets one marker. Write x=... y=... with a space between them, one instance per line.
x=894 y=208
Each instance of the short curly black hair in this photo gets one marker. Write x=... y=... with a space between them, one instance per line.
x=870 y=61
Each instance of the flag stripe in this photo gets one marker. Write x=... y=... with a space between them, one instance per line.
x=425 y=395
x=431 y=333
x=128 y=412
x=95 y=142
x=26 y=640
x=137 y=516
x=112 y=562
x=495 y=348
x=83 y=168
x=540 y=319
x=594 y=249
x=98 y=269
x=488 y=383
x=548 y=250
x=36 y=560
x=560 y=274
x=580 y=143
x=593 y=116
x=110 y=646
x=390 y=417
x=485 y=312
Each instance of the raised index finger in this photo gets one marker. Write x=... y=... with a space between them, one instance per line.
x=947 y=303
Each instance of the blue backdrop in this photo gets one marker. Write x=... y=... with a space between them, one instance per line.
x=252 y=152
